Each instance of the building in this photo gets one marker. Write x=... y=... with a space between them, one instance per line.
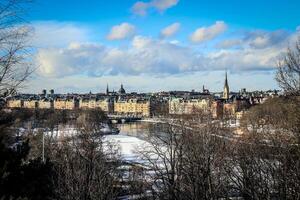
x=15 y=103
x=65 y=104
x=30 y=104
x=107 y=105
x=136 y=107
x=217 y=109
x=181 y=106
x=45 y=104
x=122 y=90
x=229 y=109
x=51 y=92
x=44 y=92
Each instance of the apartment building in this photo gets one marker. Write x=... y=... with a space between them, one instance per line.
x=65 y=104
x=137 y=107
x=107 y=105
x=45 y=104
x=30 y=104
x=181 y=106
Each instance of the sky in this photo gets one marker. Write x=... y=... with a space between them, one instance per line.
x=159 y=45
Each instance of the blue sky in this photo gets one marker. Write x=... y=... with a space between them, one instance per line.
x=155 y=45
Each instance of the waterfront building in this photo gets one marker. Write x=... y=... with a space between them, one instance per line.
x=181 y=106
x=136 y=107
x=106 y=104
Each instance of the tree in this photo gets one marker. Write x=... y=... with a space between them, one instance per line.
x=163 y=161
x=288 y=71
x=185 y=161
x=266 y=158
x=21 y=177
x=86 y=168
x=15 y=64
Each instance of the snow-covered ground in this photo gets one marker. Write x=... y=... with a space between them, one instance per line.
x=129 y=146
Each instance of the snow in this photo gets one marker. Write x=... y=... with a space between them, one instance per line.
x=128 y=146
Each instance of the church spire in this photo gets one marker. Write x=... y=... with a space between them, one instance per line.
x=107 y=90
x=226 y=88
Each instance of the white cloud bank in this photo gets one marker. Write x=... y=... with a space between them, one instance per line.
x=122 y=31
x=208 y=33
x=149 y=57
x=170 y=30
x=141 y=7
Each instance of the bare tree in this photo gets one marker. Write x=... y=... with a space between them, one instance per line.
x=86 y=168
x=15 y=64
x=163 y=156
x=265 y=160
x=186 y=160
x=288 y=71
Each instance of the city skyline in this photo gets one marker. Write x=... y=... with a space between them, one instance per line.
x=159 y=45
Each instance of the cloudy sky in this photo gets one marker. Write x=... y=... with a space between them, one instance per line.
x=156 y=45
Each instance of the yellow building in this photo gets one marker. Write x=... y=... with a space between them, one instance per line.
x=84 y=104
x=45 y=104
x=104 y=104
x=64 y=104
x=240 y=114
x=31 y=104
x=15 y=103
x=137 y=107
x=181 y=106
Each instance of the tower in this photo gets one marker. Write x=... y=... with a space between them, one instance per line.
x=122 y=90
x=226 y=88
x=107 y=90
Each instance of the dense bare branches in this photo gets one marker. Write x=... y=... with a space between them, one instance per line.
x=15 y=64
x=288 y=72
x=86 y=168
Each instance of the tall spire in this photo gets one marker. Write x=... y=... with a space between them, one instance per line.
x=107 y=90
x=226 y=81
x=226 y=88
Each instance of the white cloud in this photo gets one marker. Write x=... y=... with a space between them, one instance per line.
x=170 y=30
x=164 y=4
x=122 y=31
x=141 y=8
x=208 y=33
x=264 y=39
x=53 y=34
x=259 y=39
x=228 y=43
